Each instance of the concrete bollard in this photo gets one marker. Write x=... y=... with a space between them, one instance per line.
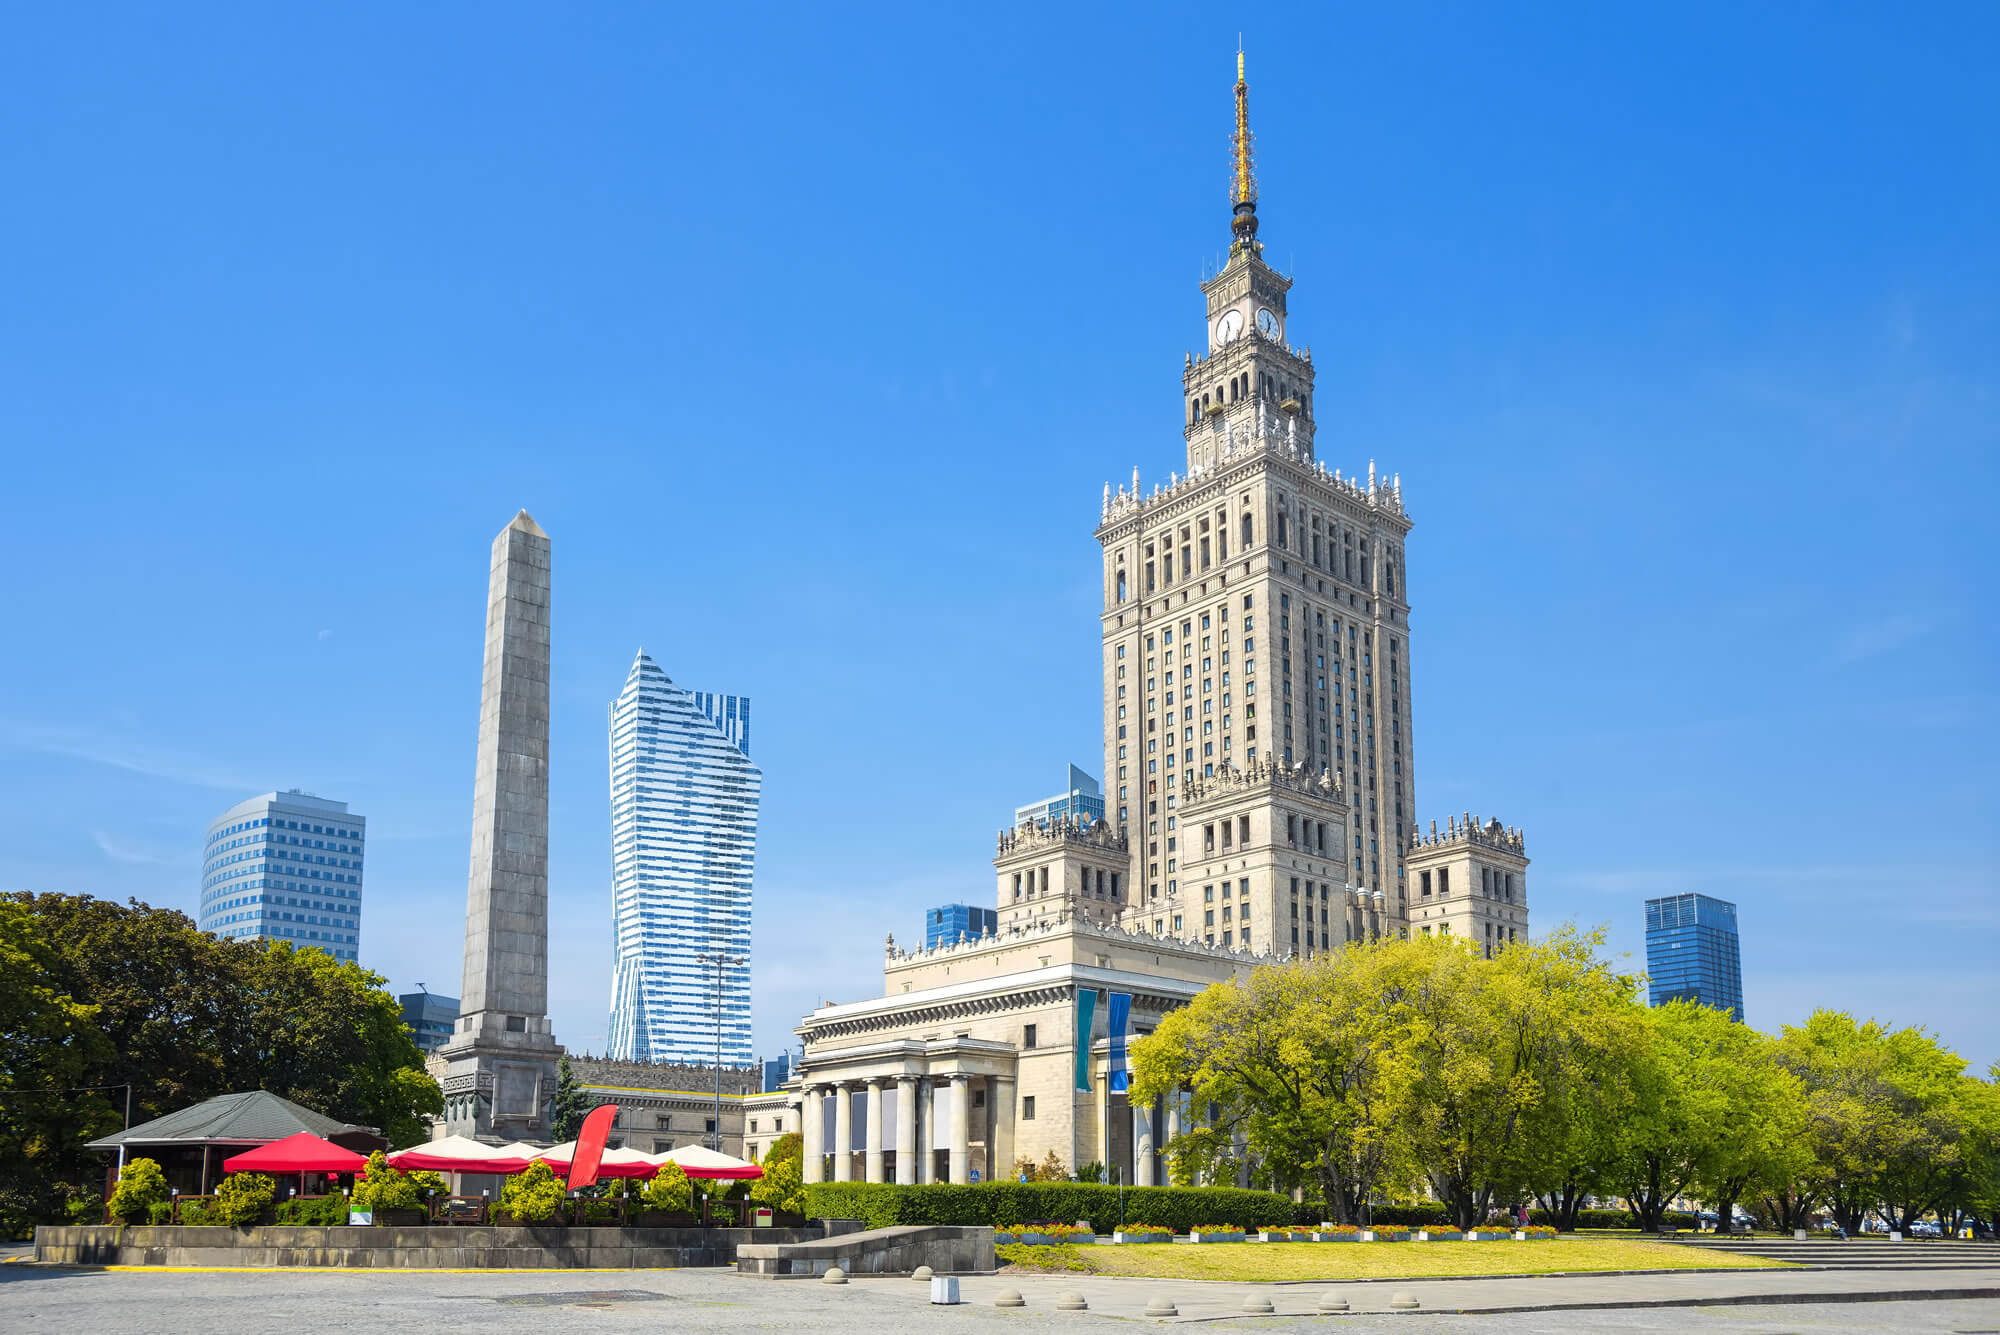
x=1404 y=1302
x=1332 y=1302
x=922 y=1274
x=1256 y=1304
x=835 y=1275
x=1010 y=1298
x=1072 y=1302
x=1161 y=1305
x=944 y=1291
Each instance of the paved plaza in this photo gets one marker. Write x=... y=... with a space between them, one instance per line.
x=35 y=1298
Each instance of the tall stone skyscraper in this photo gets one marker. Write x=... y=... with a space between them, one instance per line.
x=1257 y=743
x=684 y=801
x=501 y=1058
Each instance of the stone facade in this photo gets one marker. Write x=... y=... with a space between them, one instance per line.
x=968 y=1062
x=500 y=1061
x=1470 y=882
x=1260 y=791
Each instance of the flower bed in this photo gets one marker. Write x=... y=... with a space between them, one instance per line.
x=1143 y=1233
x=1535 y=1233
x=1337 y=1233
x=1216 y=1233
x=1488 y=1235
x=1043 y=1235
x=1284 y=1235
x=1440 y=1235
x=1389 y=1233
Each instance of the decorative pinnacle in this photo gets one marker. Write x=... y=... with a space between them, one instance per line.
x=1243 y=180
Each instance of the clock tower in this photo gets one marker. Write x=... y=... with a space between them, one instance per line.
x=1257 y=732
x=1252 y=382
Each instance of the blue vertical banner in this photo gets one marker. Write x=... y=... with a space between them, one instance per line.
x=1121 y=1012
x=1086 y=1012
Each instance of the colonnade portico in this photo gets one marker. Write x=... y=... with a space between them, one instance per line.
x=934 y=1088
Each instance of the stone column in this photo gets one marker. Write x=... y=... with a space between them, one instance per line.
x=1173 y=1123
x=1142 y=1144
x=1000 y=1114
x=906 y=1129
x=874 y=1131
x=843 y=1133
x=961 y=1127
x=811 y=1116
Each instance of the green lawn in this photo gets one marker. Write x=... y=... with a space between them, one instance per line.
x=1372 y=1260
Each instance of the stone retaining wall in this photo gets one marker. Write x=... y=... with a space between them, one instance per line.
x=948 y=1249
x=447 y=1247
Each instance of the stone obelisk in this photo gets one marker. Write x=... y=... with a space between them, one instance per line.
x=500 y=1075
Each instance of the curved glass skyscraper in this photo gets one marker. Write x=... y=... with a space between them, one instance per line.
x=285 y=866
x=683 y=840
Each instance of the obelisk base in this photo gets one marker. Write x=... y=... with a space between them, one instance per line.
x=500 y=1083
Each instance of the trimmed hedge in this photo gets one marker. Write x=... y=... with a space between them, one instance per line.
x=882 y=1205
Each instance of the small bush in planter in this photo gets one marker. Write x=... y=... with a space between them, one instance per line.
x=532 y=1197
x=783 y=1186
x=318 y=1211
x=384 y=1190
x=669 y=1191
x=141 y=1185
x=243 y=1198
x=160 y=1212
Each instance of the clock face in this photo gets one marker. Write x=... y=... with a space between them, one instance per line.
x=1267 y=322
x=1229 y=326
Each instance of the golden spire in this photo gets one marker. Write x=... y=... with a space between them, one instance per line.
x=1242 y=183
x=1242 y=180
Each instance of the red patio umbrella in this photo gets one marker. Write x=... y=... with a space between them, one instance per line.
x=301 y=1153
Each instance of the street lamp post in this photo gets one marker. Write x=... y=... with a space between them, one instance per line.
x=721 y=962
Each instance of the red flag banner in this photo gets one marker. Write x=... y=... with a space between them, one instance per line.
x=590 y=1145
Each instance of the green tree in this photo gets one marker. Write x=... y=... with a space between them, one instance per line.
x=1289 y=1061
x=184 y=1016
x=572 y=1105
x=783 y=1185
x=1714 y=1114
x=50 y=1044
x=669 y=1190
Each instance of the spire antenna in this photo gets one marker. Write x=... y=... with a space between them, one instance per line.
x=1243 y=178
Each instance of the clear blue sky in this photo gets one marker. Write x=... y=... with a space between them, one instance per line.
x=811 y=336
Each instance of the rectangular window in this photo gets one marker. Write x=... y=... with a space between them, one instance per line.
x=1028 y=1036
x=1028 y=1108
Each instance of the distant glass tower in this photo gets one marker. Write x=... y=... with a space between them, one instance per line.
x=1082 y=801
x=285 y=867
x=946 y=923
x=431 y=1018
x=1691 y=952
x=683 y=839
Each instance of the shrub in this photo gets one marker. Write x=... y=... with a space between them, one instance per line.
x=783 y=1186
x=243 y=1198
x=1146 y=1231
x=534 y=1196
x=429 y=1185
x=199 y=1210
x=84 y=1207
x=1090 y=1172
x=323 y=1211
x=160 y=1212
x=669 y=1191
x=141 y=1185
x=384 y=1188
x=885 y=1205
x=1537 y=1231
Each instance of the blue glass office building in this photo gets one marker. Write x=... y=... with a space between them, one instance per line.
x=1692 y=954
x=285 y=867
x=1082 y=801
x=948 y=922
x=431 y=1018
x=684 y=799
